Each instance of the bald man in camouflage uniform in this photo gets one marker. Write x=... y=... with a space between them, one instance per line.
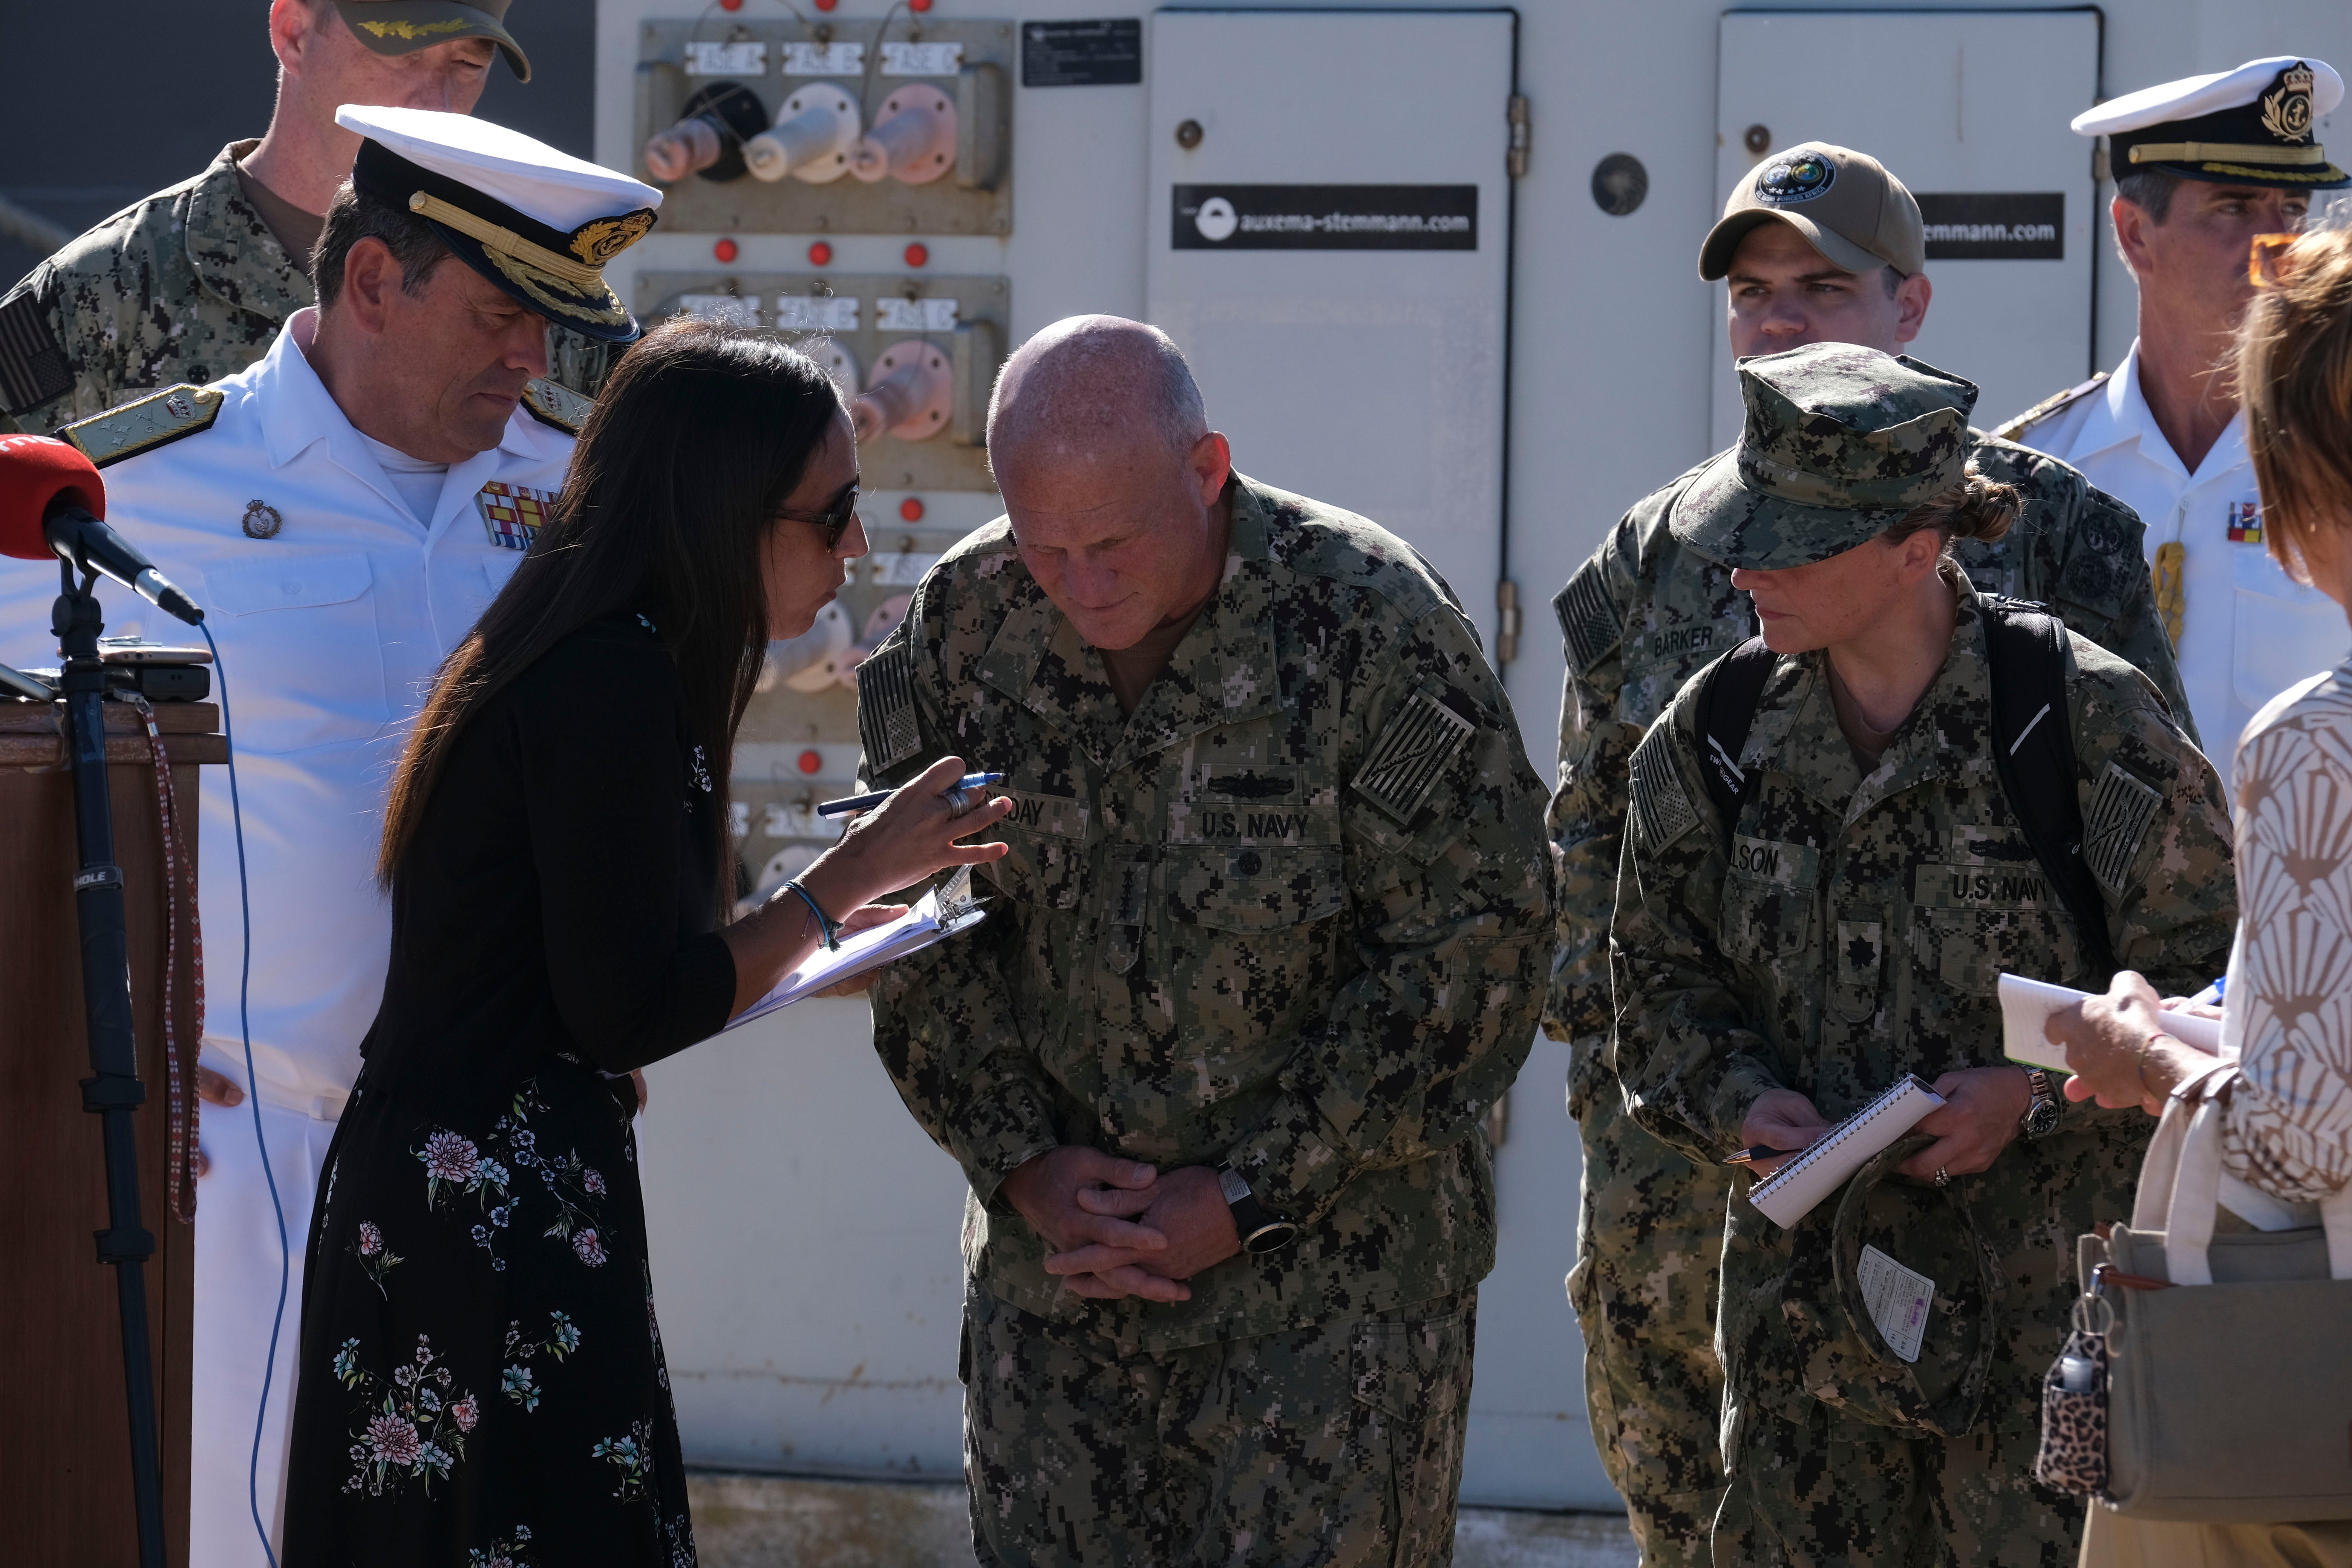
x=1638 y=619
x=193 y=283
x=1271 y=939
x=1842 y=924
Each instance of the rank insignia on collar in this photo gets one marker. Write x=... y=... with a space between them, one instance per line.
x=2245 y=522
x=513 y=513
x=262 y=520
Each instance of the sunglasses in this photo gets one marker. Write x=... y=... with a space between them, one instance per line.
x=835 y=520
x=2268 y=265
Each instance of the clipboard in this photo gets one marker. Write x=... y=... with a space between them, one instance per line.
x=947 y=911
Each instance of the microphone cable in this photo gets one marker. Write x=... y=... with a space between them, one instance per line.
x=253 y=1103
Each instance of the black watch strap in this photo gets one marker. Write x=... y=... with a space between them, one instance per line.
x=1260 y=1228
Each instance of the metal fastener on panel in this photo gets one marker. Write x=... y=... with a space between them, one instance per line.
x=1757 y=138
x=1188 y=134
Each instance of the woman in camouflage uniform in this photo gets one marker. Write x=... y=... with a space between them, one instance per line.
x=1776 y=970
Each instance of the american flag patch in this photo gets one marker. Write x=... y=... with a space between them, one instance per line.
x=1410 y=756
x=513 y=513
x=2245 y=522
x=2121 y=810
x=886 y=726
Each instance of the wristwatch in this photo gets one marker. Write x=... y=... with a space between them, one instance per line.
x=1261 y=1229
x=2041 y=1118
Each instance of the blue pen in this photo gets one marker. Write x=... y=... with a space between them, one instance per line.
x=957 y=795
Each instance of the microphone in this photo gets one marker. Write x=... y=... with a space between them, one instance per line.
x=52 y=502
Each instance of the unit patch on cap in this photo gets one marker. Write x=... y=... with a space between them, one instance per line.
x=513 y=513
x=1797 y=179
x=1410 y=755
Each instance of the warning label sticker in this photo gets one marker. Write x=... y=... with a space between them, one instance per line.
x=1326 y=218
x=1898 y=1299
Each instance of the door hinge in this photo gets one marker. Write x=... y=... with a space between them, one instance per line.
x=1507 y=637
x=1517 y=160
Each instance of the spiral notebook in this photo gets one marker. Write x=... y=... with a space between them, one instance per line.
x=1790 y=1193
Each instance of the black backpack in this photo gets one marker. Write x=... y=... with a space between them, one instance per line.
x=2033 y=749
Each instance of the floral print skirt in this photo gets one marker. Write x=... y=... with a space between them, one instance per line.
x=481 y=1379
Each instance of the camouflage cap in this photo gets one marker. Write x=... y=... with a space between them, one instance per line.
x=1839 y=441
x=403 y=26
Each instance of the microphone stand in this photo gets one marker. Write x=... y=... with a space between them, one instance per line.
x=115 y=1091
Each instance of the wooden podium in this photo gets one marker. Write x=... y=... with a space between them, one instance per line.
x=65 y=1446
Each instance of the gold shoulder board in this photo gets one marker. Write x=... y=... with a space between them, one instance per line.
x=558 y=406
x=144 y=424
x=2011 y=429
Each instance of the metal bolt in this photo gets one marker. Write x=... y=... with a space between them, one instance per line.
x=1757 y=140
x=1188 y=134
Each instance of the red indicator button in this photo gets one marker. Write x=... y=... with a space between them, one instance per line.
x=919 y=5
x=820 y=254
x=811 y=762
x=917 y=255
x=725 y=251
x=826 y=5
x=910 y=509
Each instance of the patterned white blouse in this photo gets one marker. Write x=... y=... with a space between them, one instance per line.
x=2288 y=1128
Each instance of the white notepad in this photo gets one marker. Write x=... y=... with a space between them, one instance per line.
x=2026 y=1005
x=940 y=914
x=1790 y=1193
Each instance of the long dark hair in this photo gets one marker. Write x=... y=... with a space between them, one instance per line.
x=693 y=445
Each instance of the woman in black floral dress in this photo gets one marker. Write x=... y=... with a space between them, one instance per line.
x=481 y=1376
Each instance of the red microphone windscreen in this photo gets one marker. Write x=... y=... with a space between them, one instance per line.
x=35 y=472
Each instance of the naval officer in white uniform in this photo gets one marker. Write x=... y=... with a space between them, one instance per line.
x=2201 y=167
x=344 y=511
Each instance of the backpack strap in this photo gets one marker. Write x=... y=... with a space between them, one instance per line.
x=1725 y=707
x=2033 y=749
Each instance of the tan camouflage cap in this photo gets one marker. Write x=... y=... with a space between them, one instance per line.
x=1844 y=202
x=403 y=26
x=1839 y=441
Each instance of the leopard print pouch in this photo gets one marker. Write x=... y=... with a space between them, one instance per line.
x=2074 y=1455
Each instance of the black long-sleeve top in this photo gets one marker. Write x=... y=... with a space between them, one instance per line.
x=560 y=895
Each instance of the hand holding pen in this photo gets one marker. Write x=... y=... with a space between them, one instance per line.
x=962 y=796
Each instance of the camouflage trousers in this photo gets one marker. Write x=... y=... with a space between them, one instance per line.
x=1649 y=1236
x=1832 y=1489
x=1336 y=1444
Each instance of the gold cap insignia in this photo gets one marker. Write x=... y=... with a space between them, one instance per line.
x=599 y=241
x=2286 y=108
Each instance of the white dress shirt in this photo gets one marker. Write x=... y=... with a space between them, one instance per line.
x=331 y=633
x=2248 y=630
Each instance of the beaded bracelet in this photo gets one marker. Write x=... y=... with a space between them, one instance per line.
x=824 y=926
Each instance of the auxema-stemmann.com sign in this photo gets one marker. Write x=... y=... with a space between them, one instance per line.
x=1994 y=225
x=1326 y=218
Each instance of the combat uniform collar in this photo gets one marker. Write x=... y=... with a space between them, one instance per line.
x=2121 y=415
x=235 y=256
x=1944 y=738
x=1223 y=672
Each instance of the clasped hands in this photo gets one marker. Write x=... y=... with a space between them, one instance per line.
x=1121 y=1228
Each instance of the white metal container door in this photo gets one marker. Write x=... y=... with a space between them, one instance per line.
x=1345 y=322
x=1970 y=110
x=1309 y=251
